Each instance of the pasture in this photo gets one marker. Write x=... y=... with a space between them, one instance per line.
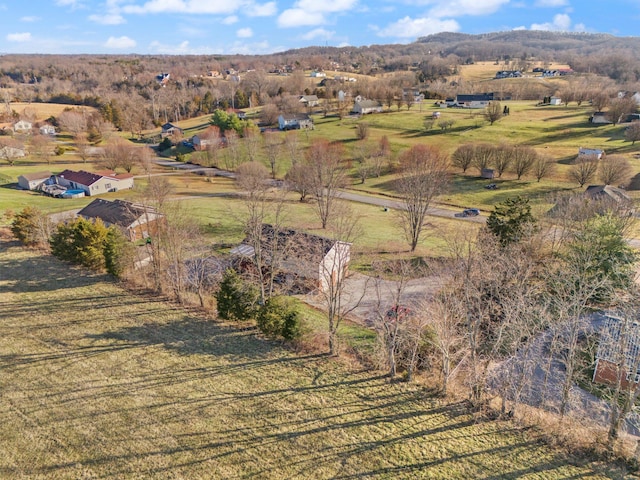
x=98 y=382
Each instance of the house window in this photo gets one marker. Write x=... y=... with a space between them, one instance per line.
x=107 y=186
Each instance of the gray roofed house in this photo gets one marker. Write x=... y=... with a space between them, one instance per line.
x=302 y=255
x=309 y=100
x=136 y=221
x=295 y=121
x=364 y=107
x=31 y=181
x=607 y=191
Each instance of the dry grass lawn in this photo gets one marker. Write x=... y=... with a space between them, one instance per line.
x=99 y=383
x=44 y=110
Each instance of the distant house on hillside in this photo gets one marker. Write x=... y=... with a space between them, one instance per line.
x=136 y=221
x=295 y=121
x=508 y=74
x=94 y=183
x=555 y=101
x=599 y=117
x=365 y=107
x=22 y=126
x=591 y=152
x=169 y=130
x=474 y=101
x=302 y=256
x=32 y=181
x=47 y=129
x=309 y=100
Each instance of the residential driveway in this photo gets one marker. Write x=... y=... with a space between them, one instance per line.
x=365 y=297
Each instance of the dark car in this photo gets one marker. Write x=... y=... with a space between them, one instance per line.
x=398 y=312
x=468 y=212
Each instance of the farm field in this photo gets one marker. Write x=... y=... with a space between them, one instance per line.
x=98 y=383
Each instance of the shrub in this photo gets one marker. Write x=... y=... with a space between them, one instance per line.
x=165 y=144
x=236 y=299
x=59 y=150
x=279 y=317
x=31 y=227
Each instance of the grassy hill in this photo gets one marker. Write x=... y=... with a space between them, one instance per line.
x=98 y=382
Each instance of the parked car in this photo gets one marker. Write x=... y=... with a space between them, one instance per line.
x=468 y=212
x=491 y=186
x=398 y=312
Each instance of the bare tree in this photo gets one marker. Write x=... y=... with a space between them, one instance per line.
x=424 y=175
x=272 y=143
x=483 y=158
x=251 y=140
x=263 y=206
x=543 y=167
x=119 y=153
x=493 y=112
x=463 y=156
x=269 y=114
x=10 y=150
x=327 y=176
x=632 y=132
x=584 y=169
x=502 y=158
x=83 y=146
x=600 y=100
x=292 y=146
x=362 y=130
x=523 y=160
x=232 y=157
x=614 y=170
x=41 y=146
x=619 y=108
x=337 y=299
x=73 y=121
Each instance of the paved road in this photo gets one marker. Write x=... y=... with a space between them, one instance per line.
x=390 y=202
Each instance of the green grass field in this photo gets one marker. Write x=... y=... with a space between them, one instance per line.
x=100 y=383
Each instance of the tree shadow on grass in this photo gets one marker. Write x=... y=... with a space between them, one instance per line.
x=41 y=272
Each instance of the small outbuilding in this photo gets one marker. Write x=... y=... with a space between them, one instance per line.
x=33 y=181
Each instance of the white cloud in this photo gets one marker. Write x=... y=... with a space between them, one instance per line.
x=19 y=37
x=318 y=33
x=550 y=3
x=408 y=27
x=457 y=8
x=184 y=6
x=108 y=19
x=30 y=19
x=123 y=42
x=297 y=17
x=265 y=10
x=561 y=22
x=244 y=33
x=313 y=12
x=230 y=20
x=181 y=49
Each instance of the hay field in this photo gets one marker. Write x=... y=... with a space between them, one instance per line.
x=44 y=110
x=99 y=383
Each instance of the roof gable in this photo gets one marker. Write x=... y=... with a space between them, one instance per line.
x=118 y=212
x=36 y=176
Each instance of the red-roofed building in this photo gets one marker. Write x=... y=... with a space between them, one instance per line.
x=94 y=183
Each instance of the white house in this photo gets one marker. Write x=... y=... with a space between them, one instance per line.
x=555 y=101
x=599 y=117
x=474 y=101
x=169 y=130
x=47 y=129
x=316 y=74
x=590 y=152
x=309 y=100
x=94 y=183
x=365 y=107
x=293 y=121
x=22 y=126
x=31 y=181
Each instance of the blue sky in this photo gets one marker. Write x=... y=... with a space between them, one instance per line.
x=263 y=26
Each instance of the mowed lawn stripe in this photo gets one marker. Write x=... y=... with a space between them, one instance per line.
x=97 y=382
